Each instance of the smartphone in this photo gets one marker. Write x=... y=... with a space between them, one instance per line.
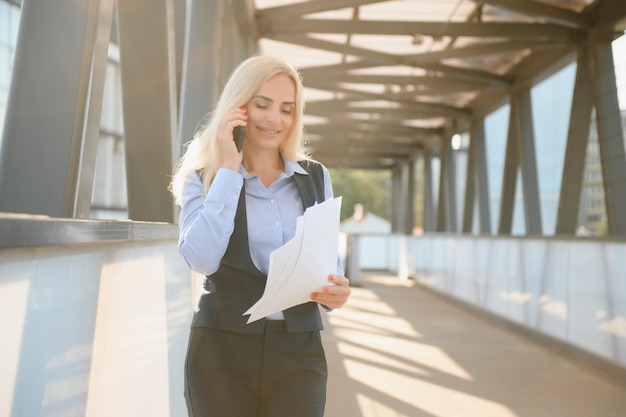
x=239 y=132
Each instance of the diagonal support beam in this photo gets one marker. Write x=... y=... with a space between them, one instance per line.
x=610 y=135
x=307 y=7
x=575 y=152
x=383 y=58
x=149 y=94
x=543 y=10
x=49 y=134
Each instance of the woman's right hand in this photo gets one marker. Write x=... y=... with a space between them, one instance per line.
x=231 y=158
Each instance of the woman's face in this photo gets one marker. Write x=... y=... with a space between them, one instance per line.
x=271 y=113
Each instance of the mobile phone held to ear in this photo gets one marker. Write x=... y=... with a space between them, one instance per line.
x=239 y=132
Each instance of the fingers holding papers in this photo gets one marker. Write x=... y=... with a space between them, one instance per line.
x=333 y=296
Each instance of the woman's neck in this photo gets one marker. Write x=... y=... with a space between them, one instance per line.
x=267 y=167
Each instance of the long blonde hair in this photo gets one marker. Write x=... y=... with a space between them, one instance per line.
x=202 y=154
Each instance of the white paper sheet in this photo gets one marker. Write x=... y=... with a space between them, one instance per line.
x=302 y=265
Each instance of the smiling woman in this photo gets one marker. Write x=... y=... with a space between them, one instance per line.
x=238 y=206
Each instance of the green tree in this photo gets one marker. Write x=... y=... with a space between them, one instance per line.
x=371 y=188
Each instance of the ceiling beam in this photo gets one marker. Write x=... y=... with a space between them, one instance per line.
x=401 y=80
x=324 y=109
x=373 y=126
x=441 y=109
x=332 y=160
x=384 y=58
x=414 y=109
x=272 y=25
x=308 y=7
x=609 y=14
x=542 y=10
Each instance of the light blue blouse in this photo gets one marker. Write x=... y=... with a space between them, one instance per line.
x=207 y=221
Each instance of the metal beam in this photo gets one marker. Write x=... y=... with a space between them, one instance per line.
x=470 y=189
x=371 y=127
x=447 y=208
x=523 y=120
x=440 y=109
x=383 y=58
x=542 y=10
x=610 y=135
x=435 y=109
x=275 y=25
x=405 y=110
x=80 y=203
x=476 y=186
x=307 y=7
x=149 y=102
x=609 y=15
x=180 y=29
x=201 y=71
x=509 y=180
x=576 y=150
x=47 y=108
x=422 y=83
x=482 y=182
x=429 y=220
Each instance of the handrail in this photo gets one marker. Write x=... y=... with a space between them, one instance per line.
x=24 y=230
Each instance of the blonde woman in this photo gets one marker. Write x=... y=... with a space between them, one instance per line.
x=236 y=208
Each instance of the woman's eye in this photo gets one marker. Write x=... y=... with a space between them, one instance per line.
x=287 y=111
x=261 y=106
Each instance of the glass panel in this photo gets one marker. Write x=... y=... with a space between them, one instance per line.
x=551 y=108
x=4 y=23
x=496 y=128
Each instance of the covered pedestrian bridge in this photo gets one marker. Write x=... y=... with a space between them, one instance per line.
x=499 y=122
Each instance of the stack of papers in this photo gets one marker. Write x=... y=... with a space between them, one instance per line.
x=302 y=265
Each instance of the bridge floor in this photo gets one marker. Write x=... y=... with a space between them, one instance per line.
x=397 y=350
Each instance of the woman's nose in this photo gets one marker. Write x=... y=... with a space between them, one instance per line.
x=272 y=115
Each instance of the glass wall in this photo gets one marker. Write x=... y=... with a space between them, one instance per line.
x=551 y=108
x=9 y=22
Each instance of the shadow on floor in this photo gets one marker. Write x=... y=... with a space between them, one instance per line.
x=397 y=350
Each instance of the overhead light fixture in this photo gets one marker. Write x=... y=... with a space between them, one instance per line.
x=456 y=142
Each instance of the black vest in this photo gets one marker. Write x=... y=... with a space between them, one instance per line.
x=238 y=283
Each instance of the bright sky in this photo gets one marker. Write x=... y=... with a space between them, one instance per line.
x=619 y=58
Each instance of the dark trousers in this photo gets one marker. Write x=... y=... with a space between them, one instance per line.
x=275 y=374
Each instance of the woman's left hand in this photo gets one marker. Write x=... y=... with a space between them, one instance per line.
x=333 y=296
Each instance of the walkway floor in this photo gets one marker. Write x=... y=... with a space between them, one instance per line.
x=397 y=350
